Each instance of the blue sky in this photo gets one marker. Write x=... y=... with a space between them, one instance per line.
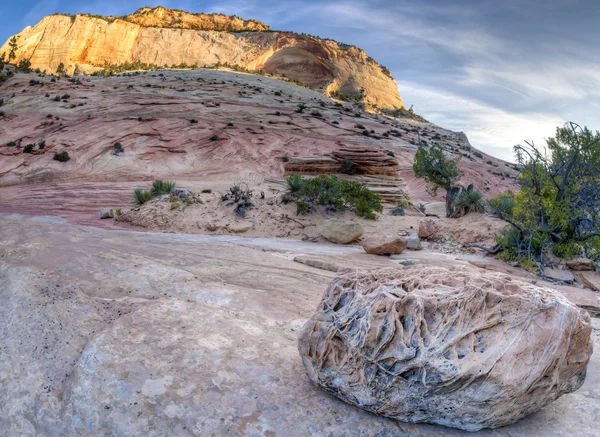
x=501 y=71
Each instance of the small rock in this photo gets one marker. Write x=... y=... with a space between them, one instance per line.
x=379 y=245
x=580 y=264
x=241 y=228
x=180 y=192
x=211 y=226
x=317 y=263
x=413 y=242
x=427 y=229
x=339 y=231
x=107 y=213
x=559 y=275
x=589 y=279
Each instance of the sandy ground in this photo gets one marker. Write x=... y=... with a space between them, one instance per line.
x=164 y=334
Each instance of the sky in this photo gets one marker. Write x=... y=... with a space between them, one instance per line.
x=500 y=71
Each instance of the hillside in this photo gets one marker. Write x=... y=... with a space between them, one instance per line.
x=162 y=37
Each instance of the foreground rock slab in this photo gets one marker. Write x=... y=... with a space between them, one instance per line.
x=450 y=346
x=120 y=333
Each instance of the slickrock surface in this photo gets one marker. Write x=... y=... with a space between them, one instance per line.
x=146 y=334
x=450 y=346
x=166 y=37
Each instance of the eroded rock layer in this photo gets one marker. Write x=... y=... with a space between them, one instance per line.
x=166 y=37
x=371 y=166
x=451 y=346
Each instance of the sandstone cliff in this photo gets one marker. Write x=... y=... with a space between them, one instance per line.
x=165 y=37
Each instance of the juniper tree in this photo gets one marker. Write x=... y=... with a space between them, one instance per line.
x=14 y=46
x=439 y=172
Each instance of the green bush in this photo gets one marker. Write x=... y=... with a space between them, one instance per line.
x=141 y=196
x=161 y=187
x=398 y=211
x=117 y=148
x=41 y=144
x=294 y=183
x=468 y=201
x=302 y=207
x=347 y=167
x=28 y=148
x=62 y=156
x=336 y=195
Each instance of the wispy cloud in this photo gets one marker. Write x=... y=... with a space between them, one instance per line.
x=491 y=129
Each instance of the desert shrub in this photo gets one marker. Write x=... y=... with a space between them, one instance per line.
x=239 y=195
x=558 y=206
x=294 y=183
x=41 y=144
x=302 y=207
x=392 y=154
x=207 y=191
x=421 y=207
x=160 y=187
x=65 y=97
x=285 y=159
x=467 y=201
x=117 y=148
x=24 y=65
x=11 y=144
x=62 y=156
x=332 y=194
x=28 y=148
x=316 y=114
x=347 y=167
x=398 y=211
x=57 y=99
x=141 y=196
x=478 y=154
x=214 y=138
x=301 y=108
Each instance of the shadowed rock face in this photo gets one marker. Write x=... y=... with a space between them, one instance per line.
x=450 y=346
x=165 y=37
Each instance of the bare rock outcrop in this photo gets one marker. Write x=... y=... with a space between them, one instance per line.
x=385 y=245
x=163 y=36
x=339 y=231
x=450 y=346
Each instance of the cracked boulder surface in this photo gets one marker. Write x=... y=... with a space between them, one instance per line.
x=451 y=346
x=142 y=334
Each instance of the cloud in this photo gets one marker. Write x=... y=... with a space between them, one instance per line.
x=490 y=129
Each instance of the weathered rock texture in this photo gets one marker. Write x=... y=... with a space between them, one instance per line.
x=450 y=346
x=339 y=231
x=165 y=37
x=372 y=166
x=385 y=245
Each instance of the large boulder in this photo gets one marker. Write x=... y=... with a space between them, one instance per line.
x=385 y=245
x=452 y=346
x=339 y=231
